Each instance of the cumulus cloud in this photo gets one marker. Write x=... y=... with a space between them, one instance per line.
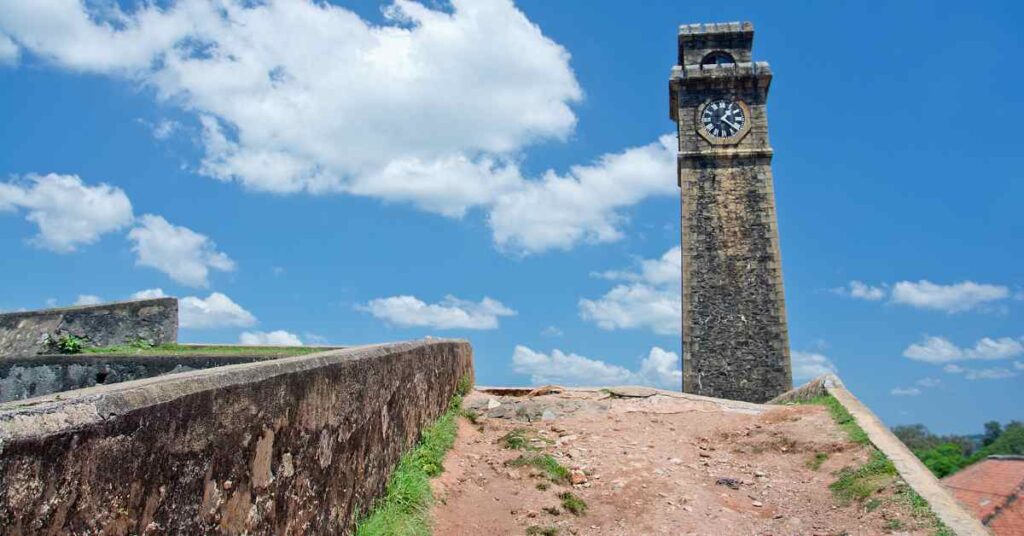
x=938 y=350
x=181 y=253
x=165 y=128
x=557 y=212
x=810 y=365
x=648 y=298
x=269 y=338
x=660 y=369
x=954 y=298
x=88 y=299
x=996 y=373
x=429 y=108
x=8 y=51
x=68 y=213
x=923 y=294
x=449 y=313
x=861 y=291
x=923 y=383
x=215 y=311
x=148 y=294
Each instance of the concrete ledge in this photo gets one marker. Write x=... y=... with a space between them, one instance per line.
x=910 y=468
x=296 y=445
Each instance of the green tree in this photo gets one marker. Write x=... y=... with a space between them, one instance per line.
x=992 y=431
x=1011 y=441
x=944 y=459
x=916 y=437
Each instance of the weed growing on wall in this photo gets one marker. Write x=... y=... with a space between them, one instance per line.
x=66 y=344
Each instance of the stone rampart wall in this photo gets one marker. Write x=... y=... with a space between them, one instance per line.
x=296 y=445
x=30 y=376
x=28 y=333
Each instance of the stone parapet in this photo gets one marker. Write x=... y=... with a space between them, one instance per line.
x=32 y=332
x=296 y=445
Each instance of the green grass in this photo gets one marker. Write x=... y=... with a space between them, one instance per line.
x=841 y=416
x=818 y=459
x=541 y=531
x=864 y=481
x=178 y=349
x=861 y=483
x=521 y=439
x=553 y=470
x=572 y=503
x=516 y=440
x=404 y=510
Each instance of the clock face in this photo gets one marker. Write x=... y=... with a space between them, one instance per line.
x=723 y=118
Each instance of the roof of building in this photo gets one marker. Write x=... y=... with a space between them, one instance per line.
x=993 y=489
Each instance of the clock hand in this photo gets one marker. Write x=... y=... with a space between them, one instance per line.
x=730 y=123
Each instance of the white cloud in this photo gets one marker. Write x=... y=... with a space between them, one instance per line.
x=909 y=391
x=450 y=313
x=558 y=212
x=165 y=128
x=954 y=298
x=552 y=331
x=269 y=338
x=68 y=213
x=861 y=291
x=184 y=255
x=1018 y=365
x=148 y=294
x=938 y=350
x=8 y=51
x=649 y=299
x=660 y=368
x=810 y=365
x=431 y=107
x=989 y=374
x=929 y=382
x=215 y=311
x=953 y=369
x=88 y=299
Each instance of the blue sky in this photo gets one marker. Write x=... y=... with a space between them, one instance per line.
x=363 y=172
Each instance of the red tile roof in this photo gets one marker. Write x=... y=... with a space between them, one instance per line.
x=993 y=489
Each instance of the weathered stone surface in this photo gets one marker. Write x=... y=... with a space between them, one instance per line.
x=31 y=376
x=735 y=338
x=295 y=445
x=27 y=333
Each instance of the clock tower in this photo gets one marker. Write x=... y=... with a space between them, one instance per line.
x=735 y=339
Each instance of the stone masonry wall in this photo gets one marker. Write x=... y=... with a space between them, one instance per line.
x=297 y=445
x=734 y=331
x=31 y=376
x=26 y=333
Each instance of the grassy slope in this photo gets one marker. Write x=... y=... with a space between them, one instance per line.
x=404 y=510
x=860 y=484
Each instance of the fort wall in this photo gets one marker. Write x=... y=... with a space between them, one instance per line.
x=34 y=332
x=295 y=445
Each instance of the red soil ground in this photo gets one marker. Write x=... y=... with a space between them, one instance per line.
x=656 y=463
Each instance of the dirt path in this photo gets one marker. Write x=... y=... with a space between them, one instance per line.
x=653 y=464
